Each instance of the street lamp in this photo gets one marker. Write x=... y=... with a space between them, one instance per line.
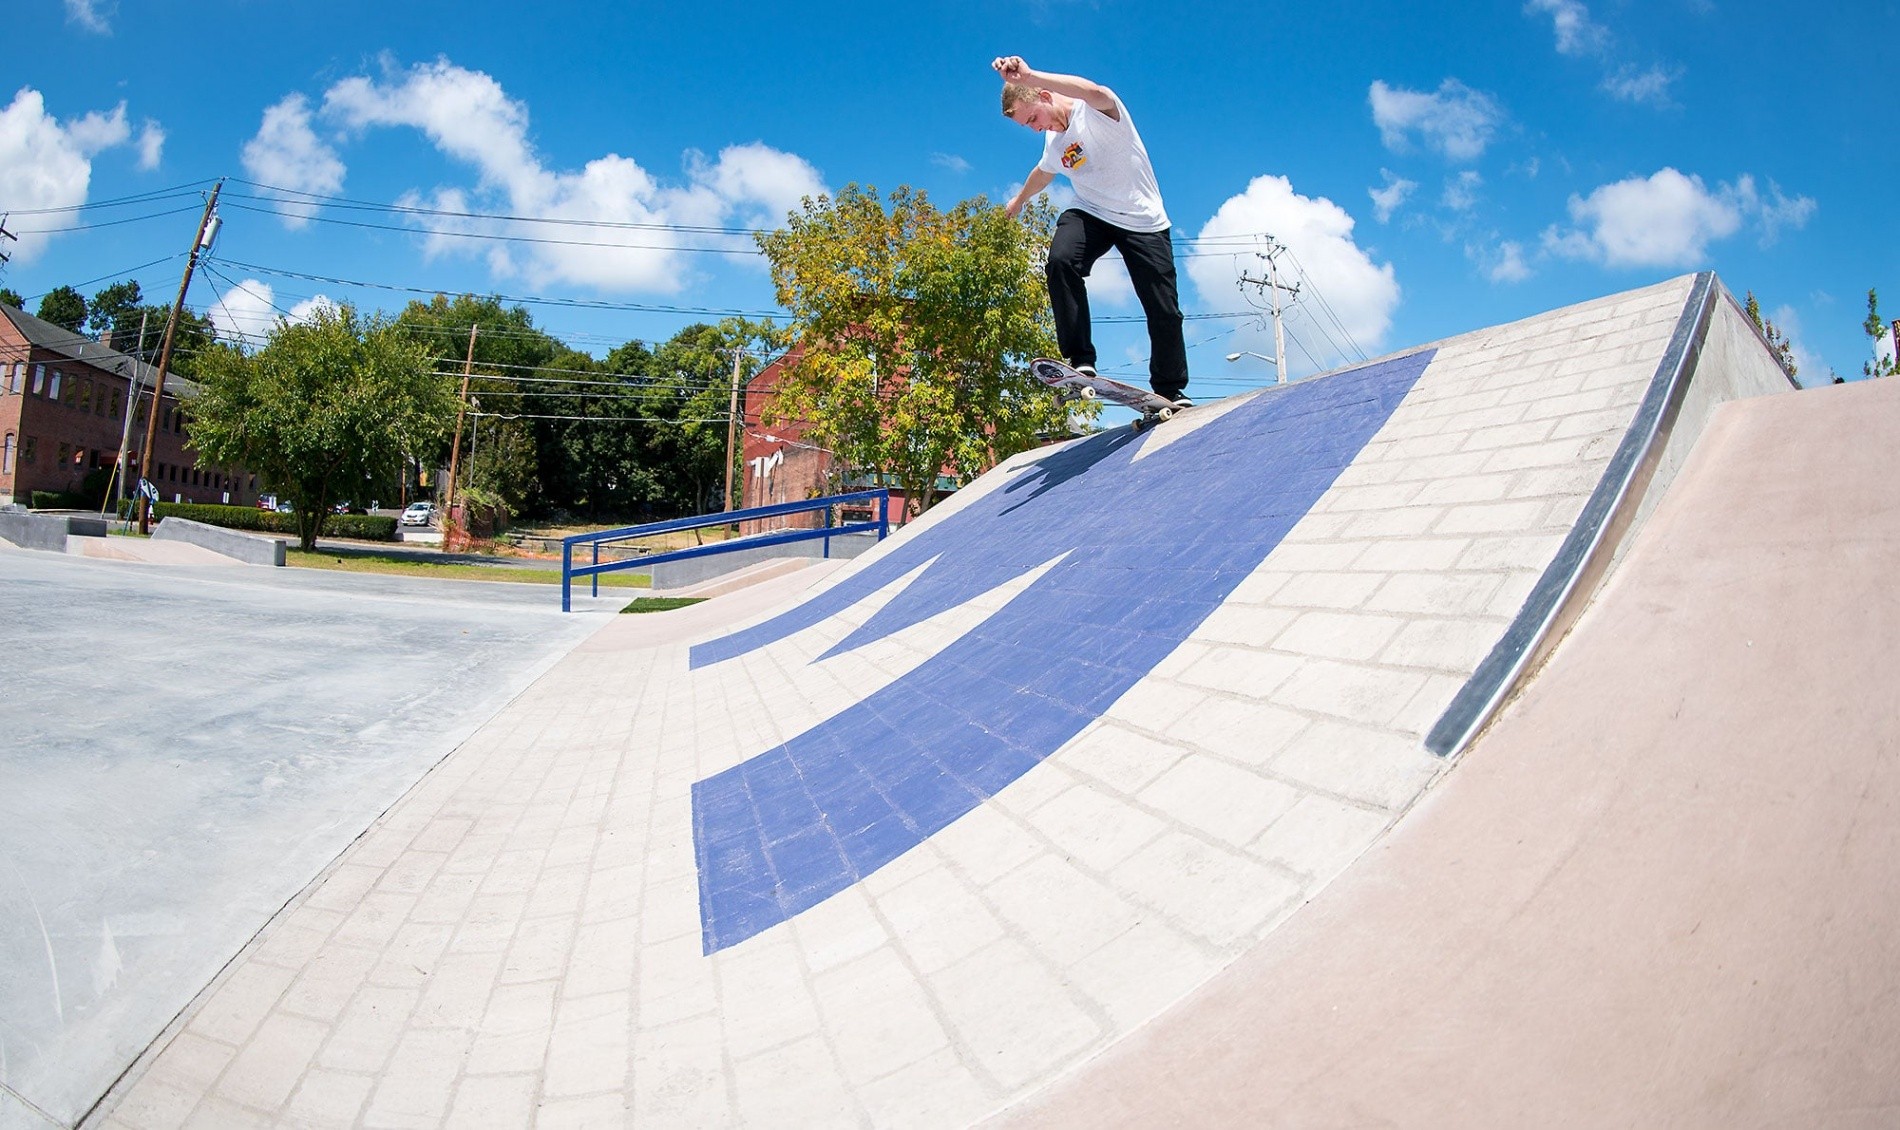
x=1280 y=369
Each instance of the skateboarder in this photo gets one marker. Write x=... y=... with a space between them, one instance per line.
x=1089 y=137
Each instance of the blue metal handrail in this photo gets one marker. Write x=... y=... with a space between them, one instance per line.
x=569 y=570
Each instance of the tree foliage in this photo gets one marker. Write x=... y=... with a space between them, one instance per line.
x=11 y=297
x=63 y=306
x=1771 y=333
x=1876 y=329
x=323 y=410
x=917 y=327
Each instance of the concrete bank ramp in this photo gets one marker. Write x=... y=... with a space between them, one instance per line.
x=1659 y=892
x=993 y=796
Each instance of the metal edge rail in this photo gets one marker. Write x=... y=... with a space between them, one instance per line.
x=1585 y=553
x=569 y=571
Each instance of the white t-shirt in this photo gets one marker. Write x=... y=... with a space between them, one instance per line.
x=1108 y=166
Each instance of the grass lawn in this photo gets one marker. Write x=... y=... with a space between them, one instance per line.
x=401 y=566
x=661 y=603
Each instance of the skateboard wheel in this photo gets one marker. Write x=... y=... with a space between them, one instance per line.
x=1089 y=393
x=1165 y=414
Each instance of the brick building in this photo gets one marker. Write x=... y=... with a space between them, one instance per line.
x=63 y=416
x=781 y=465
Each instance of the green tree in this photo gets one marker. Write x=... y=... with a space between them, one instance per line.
x=510 y=356
x=11 y=297
x=63 y=306
x=691 y=390
x=115 y=310
x=1876 y=329
x=322 y=410
x=917 y=326
x=1771 y=333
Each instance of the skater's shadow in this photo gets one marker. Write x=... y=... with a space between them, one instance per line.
x=1045 y=475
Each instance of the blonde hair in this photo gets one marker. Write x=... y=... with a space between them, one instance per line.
x=1015 y=92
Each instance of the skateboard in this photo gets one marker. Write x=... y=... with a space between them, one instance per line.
x=1066 y=380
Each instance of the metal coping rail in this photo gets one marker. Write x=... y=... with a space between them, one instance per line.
x=1585 y=552
x=881 y=525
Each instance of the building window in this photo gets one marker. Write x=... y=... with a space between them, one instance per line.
x=16 y=376
x=28 y=445
x=6 y=455
x=39 y=379
x=65 y=453
x=118 y=403
x=52 y=386
x=79 y=457
x=85 y=395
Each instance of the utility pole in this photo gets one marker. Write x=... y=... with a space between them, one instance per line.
x=455 y=449
x=732 y=422
x=131 y=406
x=5 y=234
x=1272 y=287
x=207 y=231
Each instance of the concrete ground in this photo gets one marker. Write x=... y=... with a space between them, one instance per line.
x=185 y=747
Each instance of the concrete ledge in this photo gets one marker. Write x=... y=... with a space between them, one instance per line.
x=46 y=531
x=670 y=576
x=248 y=548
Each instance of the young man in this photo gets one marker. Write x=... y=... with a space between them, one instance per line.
x=1089 y=137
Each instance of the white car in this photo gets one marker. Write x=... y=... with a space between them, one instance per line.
x=419 y=514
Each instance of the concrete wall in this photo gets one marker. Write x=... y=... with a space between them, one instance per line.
x=680 y=574
x=248 y=548
x=28 y=530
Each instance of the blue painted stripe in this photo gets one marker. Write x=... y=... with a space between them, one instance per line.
x=1148 y=549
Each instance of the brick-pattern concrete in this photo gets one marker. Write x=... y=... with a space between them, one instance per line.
x=519 y=939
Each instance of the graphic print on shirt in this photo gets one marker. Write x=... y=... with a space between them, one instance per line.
x=1073 y=157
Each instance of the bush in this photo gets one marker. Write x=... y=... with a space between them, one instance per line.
x=366 y=527
x=230 y=517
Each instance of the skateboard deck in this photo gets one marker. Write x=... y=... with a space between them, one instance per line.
x=1060 y=376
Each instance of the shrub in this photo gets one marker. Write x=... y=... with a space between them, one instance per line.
x=366 y=527
x=230 y=517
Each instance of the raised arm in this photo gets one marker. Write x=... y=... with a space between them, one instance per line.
x=1038 y=180
x=1013 y=69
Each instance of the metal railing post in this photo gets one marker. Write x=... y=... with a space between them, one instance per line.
x=567 y=576
x=596 y=546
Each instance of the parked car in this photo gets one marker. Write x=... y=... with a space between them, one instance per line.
x=419 y=514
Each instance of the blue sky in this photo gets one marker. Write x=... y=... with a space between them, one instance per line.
x=1432 y=168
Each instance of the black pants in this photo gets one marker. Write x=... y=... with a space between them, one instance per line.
x=1079 y=241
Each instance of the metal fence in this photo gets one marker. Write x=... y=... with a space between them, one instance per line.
x=881 y=525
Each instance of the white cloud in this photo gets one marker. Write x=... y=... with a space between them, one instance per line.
x=287 y=154
x=467 y=116
x=1577 y=33
x=1667 y=219
x=307 y=309
x=1457 y=121
x=1322 y=257
x=950 y=161
x=86 y=14
x=1639 y=84
x=1389 y=199
x=246 y=314
x=1776 y=210
x=1503 y=263
x=1461 y=191
x=46 y=164
x=151 y=145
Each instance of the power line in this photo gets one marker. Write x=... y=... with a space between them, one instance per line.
x=526 y=300
x=508 y=238
x=190 y=188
